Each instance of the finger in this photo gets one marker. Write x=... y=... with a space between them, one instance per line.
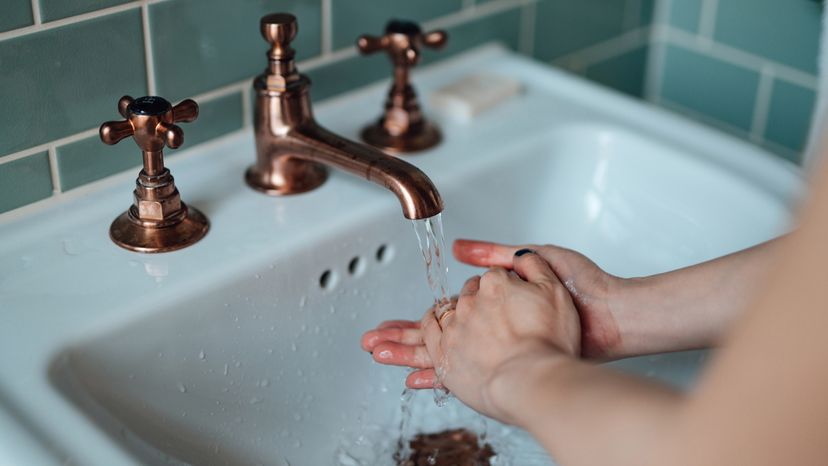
x=405 y=336
x=432 y=333
x=399 y=324
x=484 y=253
x=471 y=287
x=396 y=354
x=424 y=378
x=533 y=268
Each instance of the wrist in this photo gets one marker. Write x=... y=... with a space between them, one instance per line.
x=512 y=393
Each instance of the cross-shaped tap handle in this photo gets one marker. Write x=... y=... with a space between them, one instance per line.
x=403 y=41
x=151 y=123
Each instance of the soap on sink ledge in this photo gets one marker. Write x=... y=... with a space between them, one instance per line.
x=472 y=95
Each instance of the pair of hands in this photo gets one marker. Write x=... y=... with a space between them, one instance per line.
x=547 y=302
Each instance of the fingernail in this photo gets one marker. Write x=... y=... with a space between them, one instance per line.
x=524 y=251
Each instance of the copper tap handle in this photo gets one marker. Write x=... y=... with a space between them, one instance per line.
x=402 y=41
x=151 y=122
x=279 y=29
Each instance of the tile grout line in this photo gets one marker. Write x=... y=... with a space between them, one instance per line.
x=707 y=20
x=604 y=50
x=468 y=4
x=327 y=27
x=474 y=13
x=247 y=117
x=653 y=81
x=37 y=16
x=67 y=21
x=761 y=108
x=526 y=43
x=739 y=57
x=631 y=14
x=45 y=146
x=148 y=54
x=53 y=170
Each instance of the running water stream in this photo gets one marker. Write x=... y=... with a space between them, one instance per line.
x=432 y=243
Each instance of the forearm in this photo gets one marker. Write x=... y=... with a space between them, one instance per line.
x=688 y=308
x=586 y=414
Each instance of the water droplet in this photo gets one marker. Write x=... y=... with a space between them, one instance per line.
x=255 y=400
x=293 y=347
x=333 y=309
x=297 y=417
x=302 y=301
x=226 y=369
x=202 y=355
x=264 y=382
x=182 y=388
x=257 y=276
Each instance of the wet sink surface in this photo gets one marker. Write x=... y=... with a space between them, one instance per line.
x=244 y=349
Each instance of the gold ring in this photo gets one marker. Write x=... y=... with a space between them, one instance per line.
x=443 y=316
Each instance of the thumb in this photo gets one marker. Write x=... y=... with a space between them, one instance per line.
x=533 y=268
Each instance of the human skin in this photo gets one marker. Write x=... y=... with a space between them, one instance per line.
x=761 y=401
x=689 y=308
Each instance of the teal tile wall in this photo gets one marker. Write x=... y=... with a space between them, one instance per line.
x=200 y=45
x=710 y=87
x=789 y=117
x=25 y=180
x=64 y=80
x=714 y=72
x=565 y=26
x=783 y=31
x=623 y=72
x=16 y=14
x=51 y=10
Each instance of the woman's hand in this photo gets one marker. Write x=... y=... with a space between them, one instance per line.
x=400 y=342
x=591 y=288
x=502 y=321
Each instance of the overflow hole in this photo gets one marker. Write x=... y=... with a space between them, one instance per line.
x=356 y=266
x=327 y=281
x=384 y=254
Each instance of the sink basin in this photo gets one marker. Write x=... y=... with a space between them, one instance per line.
x=244 y=348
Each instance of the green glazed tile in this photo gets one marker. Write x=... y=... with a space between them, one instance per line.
x=564 y=26
x=623 y=72
x=90 y=159
x=685 y=14
x=51 y=10
x=503 y=27
x=784 y=31
x=717 y=89
x=16 y=14
x=24 y=181
x=789 y=115
x=647 y=10
x=352 y=18
x=199 y=45
x=65 y=80
x=352 y=73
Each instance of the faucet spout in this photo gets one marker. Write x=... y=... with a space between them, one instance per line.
x=417 y=194
x=293 y=151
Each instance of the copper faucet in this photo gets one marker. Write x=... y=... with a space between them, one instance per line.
x=292 y=150
x=157 y=221
x=402 y=127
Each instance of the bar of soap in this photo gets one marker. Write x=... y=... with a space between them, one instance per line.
x=472 y=95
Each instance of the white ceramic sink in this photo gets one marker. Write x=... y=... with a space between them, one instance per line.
x=231 y=351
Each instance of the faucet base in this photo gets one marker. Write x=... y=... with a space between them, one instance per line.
x=292 y=177
x=129 y=232
x=424 y=137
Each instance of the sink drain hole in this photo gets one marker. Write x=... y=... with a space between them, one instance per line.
x=327 y=281
x=356 y=266
x=384 y=254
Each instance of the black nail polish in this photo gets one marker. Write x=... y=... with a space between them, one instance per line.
x=524 y=251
